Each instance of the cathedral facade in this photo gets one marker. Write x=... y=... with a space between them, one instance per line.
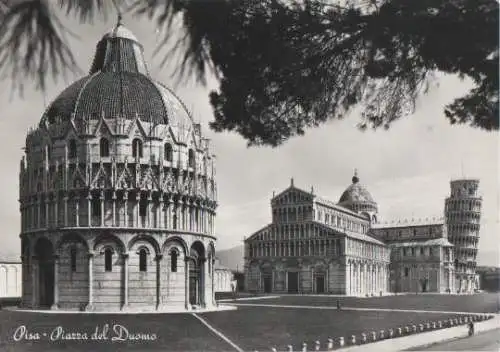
x=314 y=245
x=117 y=194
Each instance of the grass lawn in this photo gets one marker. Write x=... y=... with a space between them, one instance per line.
x=251 y=328
x=478 y=303
x=261 y=328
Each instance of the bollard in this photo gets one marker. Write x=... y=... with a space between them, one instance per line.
x=304 y=347
x=341 y=341
x=433 y=324
x=374 y=336
x=353 y=340
x=456 y=321
x=381 y=334
x=421 y=327
x=330 y=344
x=440 y=324
x=290 y=348
x=391 y=333
x=363 y=338
x=414 y=328
x=316 y=346
x=460 y=320
x=274 y=349
x=451 y=322
x=400 y=331
x=407 y=329
x=428 y=326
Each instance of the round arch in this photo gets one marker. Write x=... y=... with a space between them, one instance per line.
x=108 y=237
x=70 y=238
x=146 y=238
x=178 y=240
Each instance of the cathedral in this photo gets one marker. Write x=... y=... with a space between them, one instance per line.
x=314 y=245
x=117 y=194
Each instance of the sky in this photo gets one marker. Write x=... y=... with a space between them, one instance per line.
x=407 y=169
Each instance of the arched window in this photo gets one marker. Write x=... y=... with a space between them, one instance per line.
x=168 y=152
x=143 y=260
x=173 y=260
x=73 y=259
x=108 y=259
x=191 y=158
x=137 y=148
x=72 y=149
x=104 y=147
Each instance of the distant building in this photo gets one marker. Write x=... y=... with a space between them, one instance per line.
x=223 y=278
x=314 y=245
x=10 y=278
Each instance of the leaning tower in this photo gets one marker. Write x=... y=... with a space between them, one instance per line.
x=463 y=214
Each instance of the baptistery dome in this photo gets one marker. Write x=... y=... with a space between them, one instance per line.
x=118 y=87
x=357 y=198
x=118 y=193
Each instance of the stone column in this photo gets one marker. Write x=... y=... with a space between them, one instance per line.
x=125 y=257
x=203 y=289
x=34 y=281
x=55 y=304
x=77 y=210
x=56 y=211
x=47 y=212
x=103 y=204
x=149 y=211
x=90 y=305
x=65 y=200
x=158 y=260
x=113 y=219
x=38 y=209
x=89 y=210
x=186 y=283
x=136 y=209
x=125 y=205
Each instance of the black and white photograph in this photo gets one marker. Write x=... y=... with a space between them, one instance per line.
x=249 y=175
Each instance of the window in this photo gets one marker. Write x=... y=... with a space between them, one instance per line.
x=73 y=259
x=72 y=149
x=191 y=158
x=137 y=148
x=96 y=207
x=168 y=153
x=143 y=206
x=430 y=251
x=407 y=272
x=104 y=147
x=108 y=259
x=143 y=257
x=173 y=260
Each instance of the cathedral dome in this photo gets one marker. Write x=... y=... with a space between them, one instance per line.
x=357 y=198
x=118 y=87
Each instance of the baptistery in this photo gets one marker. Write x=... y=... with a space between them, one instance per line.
x=117 y=194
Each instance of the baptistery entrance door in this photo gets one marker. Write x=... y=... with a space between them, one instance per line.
x=194 y=283
x=196 y=273
x=44 y=253
x=293 y=282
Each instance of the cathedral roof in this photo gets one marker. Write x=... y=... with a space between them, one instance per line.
x=118 y=87
x=434 y=242
x=356 y=193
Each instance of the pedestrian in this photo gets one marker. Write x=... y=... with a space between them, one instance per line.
x=471 y=328
x=338 y=304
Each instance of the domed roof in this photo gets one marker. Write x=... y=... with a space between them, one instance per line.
x=356 y=193
x=118 y=86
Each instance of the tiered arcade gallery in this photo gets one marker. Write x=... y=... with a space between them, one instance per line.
x=117 y=194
